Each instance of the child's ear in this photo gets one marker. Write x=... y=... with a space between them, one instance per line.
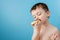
x=48 y=13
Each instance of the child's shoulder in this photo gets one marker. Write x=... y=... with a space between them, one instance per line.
x=54 y=28
x=54 y=32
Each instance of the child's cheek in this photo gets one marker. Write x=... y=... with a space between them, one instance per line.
x=43 y=17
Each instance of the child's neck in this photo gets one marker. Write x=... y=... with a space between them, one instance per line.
x=46 y=24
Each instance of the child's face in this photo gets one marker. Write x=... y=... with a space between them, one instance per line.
x=40 y=14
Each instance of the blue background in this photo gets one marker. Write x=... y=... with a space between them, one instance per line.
x=15 y=18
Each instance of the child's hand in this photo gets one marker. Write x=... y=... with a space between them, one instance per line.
x=36 y=24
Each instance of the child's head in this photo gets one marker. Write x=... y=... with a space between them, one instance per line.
x=40 y=11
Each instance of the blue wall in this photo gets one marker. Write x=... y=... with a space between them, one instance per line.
x=15 y=18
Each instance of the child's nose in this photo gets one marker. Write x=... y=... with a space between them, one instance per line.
x=36 y=18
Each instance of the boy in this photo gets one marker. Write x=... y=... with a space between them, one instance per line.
x=43 y=30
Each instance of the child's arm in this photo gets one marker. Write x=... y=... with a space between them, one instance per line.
x=55 y=36
x=36 y=34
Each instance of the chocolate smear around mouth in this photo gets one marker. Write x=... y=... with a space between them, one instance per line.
x=39 y=19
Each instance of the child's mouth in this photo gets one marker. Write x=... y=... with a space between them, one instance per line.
x=39 y=19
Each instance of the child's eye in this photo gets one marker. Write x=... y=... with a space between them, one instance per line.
x=39 y=14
